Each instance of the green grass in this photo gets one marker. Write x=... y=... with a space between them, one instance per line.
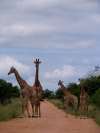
x=57 y=103
x=94 y=112
x=97 y=117
x=11 y=110
x=60 y=105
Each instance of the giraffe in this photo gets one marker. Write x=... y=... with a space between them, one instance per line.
x=38 y=88
x=83 y=106
x=69 y=99
x=26 y=90
x=37 y=81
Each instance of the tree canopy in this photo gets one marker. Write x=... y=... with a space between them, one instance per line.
x=7 y=91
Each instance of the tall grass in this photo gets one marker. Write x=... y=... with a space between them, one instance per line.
x=94 y=111
x=11 y=110
x=57 y=103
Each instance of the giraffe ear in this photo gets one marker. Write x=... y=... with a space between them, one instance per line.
x=34 y=61
x=39 y=60
x=61 y=81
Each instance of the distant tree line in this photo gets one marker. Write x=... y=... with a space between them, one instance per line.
x=7 y=91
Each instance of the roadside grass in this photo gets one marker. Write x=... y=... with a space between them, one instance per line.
x=57 y=103
x=93 y=112
x=11 y=110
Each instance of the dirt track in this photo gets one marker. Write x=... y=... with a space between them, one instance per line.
x=52 y=121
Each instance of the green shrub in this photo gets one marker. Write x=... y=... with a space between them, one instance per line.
x=7 y=91
x=96 y=98
x=59 y=94
x=93 y=112
x=48 y=94
x=11 y=110
x=57 y=103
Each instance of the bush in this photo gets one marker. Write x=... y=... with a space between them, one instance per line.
x=92 y=84
x=74 y=89
x=11 y=110
x=7 y=91
x=59 y=94
x=93 y=112
x=96 y=98
x=57 y=103
x=48 y=94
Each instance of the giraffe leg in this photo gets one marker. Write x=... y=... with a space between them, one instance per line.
x=28 y=109
x=32 y=107
x=33 y=110
x=23 y=110
x=81 y=111
x=76 y=106
x=65 y=104
x=39 y=111
x=24 y=106
x=86 y=111
x=36 y=110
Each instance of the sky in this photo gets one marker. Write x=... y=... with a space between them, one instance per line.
x=63 y=34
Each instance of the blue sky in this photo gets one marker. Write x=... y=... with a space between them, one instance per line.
x=64 y=34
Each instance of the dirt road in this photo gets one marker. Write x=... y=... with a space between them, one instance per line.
x=53 y=120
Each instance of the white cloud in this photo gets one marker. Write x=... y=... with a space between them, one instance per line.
x=22 y=25
x=6 y=62
x=72 y=44
x=31 y=80
x=63 y=24
x=23 y=30
x=96 y=17
x=86 y=44
x=41 y=4
x=65 y=72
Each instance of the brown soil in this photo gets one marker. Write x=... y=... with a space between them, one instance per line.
x=53 y=120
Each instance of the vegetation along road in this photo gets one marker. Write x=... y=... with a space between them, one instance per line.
x=53 y=120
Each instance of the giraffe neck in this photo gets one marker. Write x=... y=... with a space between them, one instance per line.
x=19 y=79
x=82 y=91
x=37 y=77
x=64 y=90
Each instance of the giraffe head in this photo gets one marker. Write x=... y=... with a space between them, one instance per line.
x=60 y=82
x=12 y=70
x=37 y=62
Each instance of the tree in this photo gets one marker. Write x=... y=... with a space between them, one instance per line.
x=74 y=89
x=7 y=91
x=59 y=94
x=96 y=98
x=91 y=84
x=48 y=94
